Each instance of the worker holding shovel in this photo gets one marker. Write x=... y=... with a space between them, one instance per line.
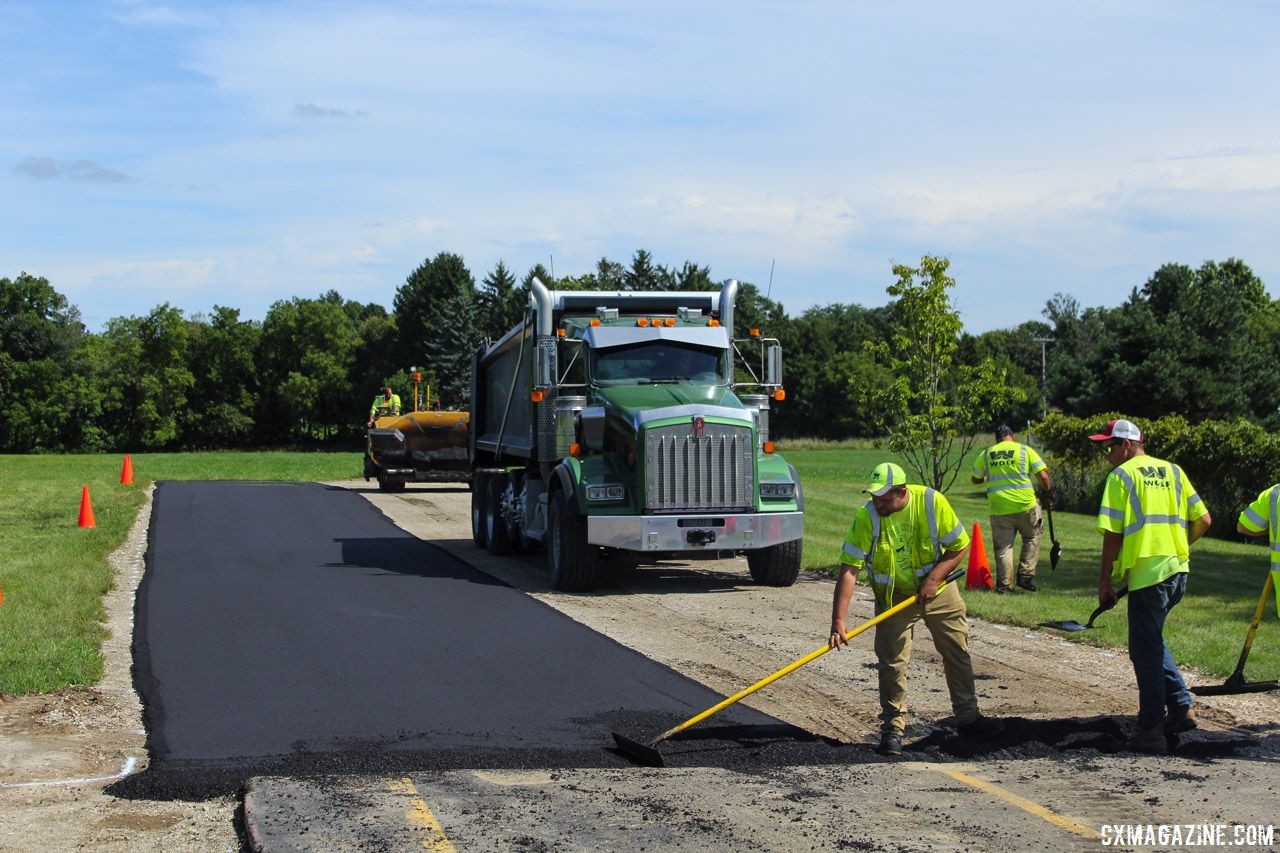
x=1262 y=518
x=908 y=539
x=1149 y=517
x=1008 y=468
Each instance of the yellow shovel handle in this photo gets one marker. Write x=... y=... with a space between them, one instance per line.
x=794 y=665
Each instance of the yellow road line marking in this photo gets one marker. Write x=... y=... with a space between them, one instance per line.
x=419 y=815
x=1021 y=802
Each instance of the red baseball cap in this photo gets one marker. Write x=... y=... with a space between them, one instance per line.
x=1119 y=428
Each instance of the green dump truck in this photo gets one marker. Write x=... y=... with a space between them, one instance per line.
x=631 y=421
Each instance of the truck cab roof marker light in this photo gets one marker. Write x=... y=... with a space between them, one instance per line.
x=642 y=321
x=769 y=447
x=595 y=322
x=755 y=333
x=670 y=321
x=780 y=394
x=713 y=322
x=562 y=332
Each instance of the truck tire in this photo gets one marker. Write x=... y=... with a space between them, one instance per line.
x=386 y=484
x=496 y=535
x=480 y=510
x=570 y=559
x=777 y=565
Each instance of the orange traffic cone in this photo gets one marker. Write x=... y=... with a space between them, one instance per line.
x=979 y=574
x=86 y=509
x=126 y=472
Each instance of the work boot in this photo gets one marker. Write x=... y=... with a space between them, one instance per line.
x=1001 y=590
x=890 y=744
x=981 y=727
x=1150 y=741
x=1027 y=583
x=1177 y=722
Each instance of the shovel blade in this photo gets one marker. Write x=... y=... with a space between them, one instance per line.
x=1055 y=554
x=1230 y=688
x=1069 y=625
x=641 y=753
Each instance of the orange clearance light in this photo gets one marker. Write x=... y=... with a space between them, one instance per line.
x=780 y=394
x=417 y=377
x=755 y=333
x=595 y=322
x=670 y=321
x=713 y=322
x=538 y=395
x=561 y=332
x=769 y=447
x=575 y=449
x=642 y=321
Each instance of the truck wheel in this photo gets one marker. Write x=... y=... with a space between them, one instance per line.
x=570 y=559
x=480 y=510
x=386 y=484
x=777 y=565
x=495 y=526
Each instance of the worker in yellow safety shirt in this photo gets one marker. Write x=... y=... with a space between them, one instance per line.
x=1149 y=517
x=384 y=404
x=1007 y=468
x=907 y=539
x=1263 y=517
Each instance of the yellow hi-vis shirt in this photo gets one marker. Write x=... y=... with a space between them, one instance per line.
x=1008 y=468
x=905 y=546
x=382 y=407
x=1151 y=503
x=1264 y=514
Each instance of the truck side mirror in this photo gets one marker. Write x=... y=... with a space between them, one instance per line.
x=592 y=420
x=773 y=365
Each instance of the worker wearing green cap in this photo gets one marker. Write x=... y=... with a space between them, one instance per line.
x=906 y=539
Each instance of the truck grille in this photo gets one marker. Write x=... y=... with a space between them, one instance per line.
x=715 y=472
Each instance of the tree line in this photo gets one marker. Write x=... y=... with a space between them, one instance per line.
x=1203 y=343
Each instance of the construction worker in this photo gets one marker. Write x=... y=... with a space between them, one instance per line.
x=1263 y=517
x=1149 y=517
x=1007 y=468
x=907 y=539
x=384 y=404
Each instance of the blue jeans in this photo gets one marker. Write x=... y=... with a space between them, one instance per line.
x=1160 y=685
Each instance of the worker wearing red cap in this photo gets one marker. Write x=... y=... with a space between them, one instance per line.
x=1149 y=517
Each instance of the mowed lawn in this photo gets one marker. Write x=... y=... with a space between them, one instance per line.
x=53 y=573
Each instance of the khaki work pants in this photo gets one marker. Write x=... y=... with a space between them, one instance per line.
x=1029 y=525
x=945 y=618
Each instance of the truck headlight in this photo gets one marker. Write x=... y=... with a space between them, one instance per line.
x=606 y=492
x=778 y=491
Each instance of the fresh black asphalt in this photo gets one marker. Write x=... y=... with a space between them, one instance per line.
x=292 y=628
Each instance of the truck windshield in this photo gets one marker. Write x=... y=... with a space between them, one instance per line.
x=658 y=361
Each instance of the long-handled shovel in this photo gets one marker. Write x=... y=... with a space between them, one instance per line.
x=1235 y=682
x=1055 y=553
x=1073 y=625
x=647 y=753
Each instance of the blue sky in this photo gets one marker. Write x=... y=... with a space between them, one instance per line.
x=227 y=153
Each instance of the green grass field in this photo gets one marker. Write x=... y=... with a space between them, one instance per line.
x=53 y=573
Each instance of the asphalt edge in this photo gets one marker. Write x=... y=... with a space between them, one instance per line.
x=253 y=832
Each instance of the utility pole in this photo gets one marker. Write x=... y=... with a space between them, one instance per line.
x=1044 y=381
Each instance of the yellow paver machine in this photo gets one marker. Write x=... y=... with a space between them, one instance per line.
x=426 y=445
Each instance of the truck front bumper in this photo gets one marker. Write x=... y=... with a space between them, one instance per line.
x=694 y=532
